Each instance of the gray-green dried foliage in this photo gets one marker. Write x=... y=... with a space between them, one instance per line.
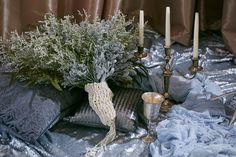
x=62 y=52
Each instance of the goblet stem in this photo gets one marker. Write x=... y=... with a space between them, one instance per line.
x=150 y=137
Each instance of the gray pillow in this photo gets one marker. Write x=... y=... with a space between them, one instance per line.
x=27 y=112
x=126 y=102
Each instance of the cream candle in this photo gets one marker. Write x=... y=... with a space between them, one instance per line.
x=167 y=28
x=141 y=28
x=196 y=36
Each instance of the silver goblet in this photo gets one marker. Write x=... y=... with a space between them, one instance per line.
x=151 y=106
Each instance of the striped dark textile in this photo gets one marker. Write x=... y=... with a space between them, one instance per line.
x=126 y=102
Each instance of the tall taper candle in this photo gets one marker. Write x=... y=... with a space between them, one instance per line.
x=167 y=34
x=196 y=36
x=141 y=28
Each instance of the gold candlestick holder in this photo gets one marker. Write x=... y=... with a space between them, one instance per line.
x=167 y=54
x=166 y=105
x=140 y=53
x=195 y=67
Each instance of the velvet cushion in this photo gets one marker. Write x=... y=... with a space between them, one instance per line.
x=126 y=102
x=27 y=112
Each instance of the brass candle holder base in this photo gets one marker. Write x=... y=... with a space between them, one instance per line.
x=194 y=68
x=140 y=53
x=167 y=54
x=166 y=105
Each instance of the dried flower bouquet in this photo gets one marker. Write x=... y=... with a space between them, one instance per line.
x=64 y=53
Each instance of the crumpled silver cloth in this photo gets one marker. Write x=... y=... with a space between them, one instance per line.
x=218 y=77
x=69 y=140
x=193 y=134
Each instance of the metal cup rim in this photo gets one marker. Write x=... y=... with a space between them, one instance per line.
x=158 y=98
